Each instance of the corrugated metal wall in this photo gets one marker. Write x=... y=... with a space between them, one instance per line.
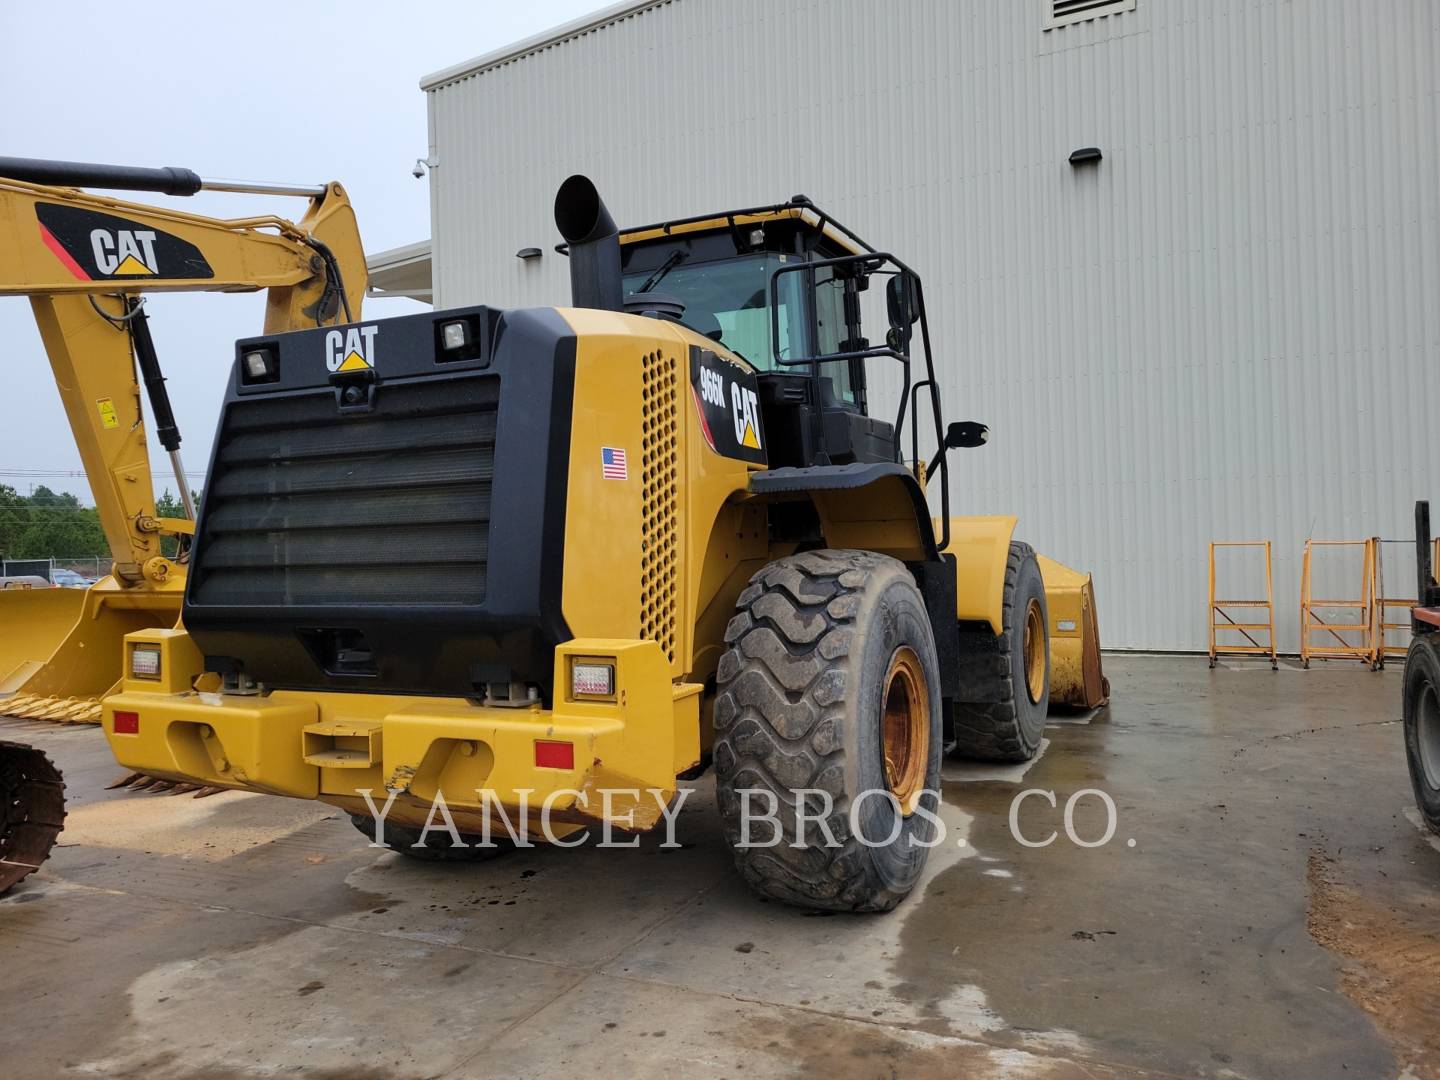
x=1228 y=329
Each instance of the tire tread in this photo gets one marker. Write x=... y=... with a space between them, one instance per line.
x=778 y=716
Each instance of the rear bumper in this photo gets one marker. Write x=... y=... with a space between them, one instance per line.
x=333 y=746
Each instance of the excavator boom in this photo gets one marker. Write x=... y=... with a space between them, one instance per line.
x=84 y=260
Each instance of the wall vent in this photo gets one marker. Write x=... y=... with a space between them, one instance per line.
x=1067 y=12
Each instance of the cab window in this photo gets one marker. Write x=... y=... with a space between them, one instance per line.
x=734 y=293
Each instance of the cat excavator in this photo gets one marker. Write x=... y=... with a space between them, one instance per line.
x=85 y=261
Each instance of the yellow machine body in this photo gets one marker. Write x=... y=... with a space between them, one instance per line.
x=334 y=747
x=653 y=601
x=58 y=648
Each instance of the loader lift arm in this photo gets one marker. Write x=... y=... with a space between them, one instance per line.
x=84 y=261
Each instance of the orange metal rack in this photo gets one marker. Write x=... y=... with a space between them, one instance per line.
x=1218 y=606
x=1366 y=648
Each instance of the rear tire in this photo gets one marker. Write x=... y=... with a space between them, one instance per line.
x=830 y=685
x=437 y=847
x=1010 y=674
x=1422 y=724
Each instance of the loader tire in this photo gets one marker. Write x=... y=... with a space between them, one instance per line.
x=1421 y=697
x=437 y=847
x=830 y=661
x=1007 y=720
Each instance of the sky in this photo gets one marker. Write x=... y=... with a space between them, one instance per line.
x=265 y=90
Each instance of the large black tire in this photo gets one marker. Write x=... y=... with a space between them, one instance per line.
x=1422 y=724
x=1004 y=720
x=32 y=810
x=820 y=643
x=437 y=846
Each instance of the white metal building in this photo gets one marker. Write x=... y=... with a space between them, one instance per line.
x=1227 y=328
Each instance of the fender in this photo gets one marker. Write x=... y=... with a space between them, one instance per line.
x=981 y=546
x=892 y=518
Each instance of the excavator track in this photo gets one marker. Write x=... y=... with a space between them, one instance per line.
x=32 y=811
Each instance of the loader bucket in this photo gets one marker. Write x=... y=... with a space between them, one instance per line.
x=60 y=649
x=32 y=810
x=1076 y=678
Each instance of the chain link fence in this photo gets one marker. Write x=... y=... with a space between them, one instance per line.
x=54 y=571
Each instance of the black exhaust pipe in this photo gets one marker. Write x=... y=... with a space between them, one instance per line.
x=588 y=228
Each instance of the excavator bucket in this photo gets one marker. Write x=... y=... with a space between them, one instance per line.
x=32 y=810
x=60 y=649
x=33 y=623
x=1076 y=678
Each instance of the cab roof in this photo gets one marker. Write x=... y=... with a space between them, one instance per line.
x=799 y=211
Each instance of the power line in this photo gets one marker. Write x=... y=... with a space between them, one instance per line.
x=80 y=473
x=52 y=512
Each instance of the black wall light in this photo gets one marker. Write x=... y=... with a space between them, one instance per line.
x=528 y=253
x=1087 y=155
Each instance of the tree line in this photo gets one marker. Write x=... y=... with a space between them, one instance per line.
x=55 y=525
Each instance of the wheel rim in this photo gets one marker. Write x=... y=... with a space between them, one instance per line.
x=1034 y=652
x=1427 y=734
x=905 y=728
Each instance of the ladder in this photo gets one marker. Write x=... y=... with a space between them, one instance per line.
x=1221 y=622
x=1312 y=622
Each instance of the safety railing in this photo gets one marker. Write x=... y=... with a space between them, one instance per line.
x=1221 y=622
x=853 y=271
x=1339 y=640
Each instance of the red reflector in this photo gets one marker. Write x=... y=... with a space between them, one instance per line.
x=554 y=755
x=127 y=723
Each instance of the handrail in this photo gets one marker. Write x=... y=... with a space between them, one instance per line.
x=877 y=262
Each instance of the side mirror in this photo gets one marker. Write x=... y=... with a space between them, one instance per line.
x=900 y=302
x=966 y=435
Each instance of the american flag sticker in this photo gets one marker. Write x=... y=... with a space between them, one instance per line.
x=612 y=464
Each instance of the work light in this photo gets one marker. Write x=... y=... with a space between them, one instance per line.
x=144 y=661
x=260 y=367
x=592 y=680
x=455 y=335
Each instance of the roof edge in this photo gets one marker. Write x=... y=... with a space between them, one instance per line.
x=613 y=13
x=398 y=256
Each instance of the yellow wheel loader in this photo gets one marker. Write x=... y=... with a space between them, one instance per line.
x=84 y=260
x=524 y=571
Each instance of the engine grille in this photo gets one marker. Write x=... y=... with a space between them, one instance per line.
x=309 y=506
x=659 y=524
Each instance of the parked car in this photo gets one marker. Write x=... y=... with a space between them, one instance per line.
x=69 y=579
x=24 y=581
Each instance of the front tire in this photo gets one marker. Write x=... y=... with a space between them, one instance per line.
x=1008 y=675
x=830 y=689
x=1422 y=724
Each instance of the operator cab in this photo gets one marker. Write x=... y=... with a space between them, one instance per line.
x=732 y=277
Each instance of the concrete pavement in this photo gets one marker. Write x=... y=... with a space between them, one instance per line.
x=1278 y=914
